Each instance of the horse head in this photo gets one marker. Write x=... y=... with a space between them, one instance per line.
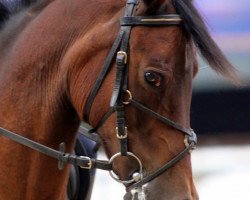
x=139 y=103
x=155 y=96
x=162 y=64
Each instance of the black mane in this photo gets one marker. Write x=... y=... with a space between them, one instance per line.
x=195 y=26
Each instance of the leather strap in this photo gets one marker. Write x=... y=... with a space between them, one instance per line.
x=102 y=75
x=103 y=120
x=121 y=129
x=161 y=118
x=121 y=69
x=61 y=156
x=159 y=20
x=162 y=169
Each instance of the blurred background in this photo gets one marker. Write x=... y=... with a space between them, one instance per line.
x=218 y=106
x=220 y=112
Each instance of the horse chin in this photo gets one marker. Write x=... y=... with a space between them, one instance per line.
x=137 y=193
x=149 y=192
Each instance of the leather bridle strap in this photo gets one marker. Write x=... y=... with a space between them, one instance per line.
x=190 y=141
x=163 y=119
x=158 y=20
x=120 y=86
x=120 y=81
x=61 y=156
x=108 y=62
x=102 y=75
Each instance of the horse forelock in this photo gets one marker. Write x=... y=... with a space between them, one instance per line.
x=195 y=26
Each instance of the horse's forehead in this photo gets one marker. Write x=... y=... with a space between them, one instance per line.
x=156 y=36
x=154 y=44
x=160 y=6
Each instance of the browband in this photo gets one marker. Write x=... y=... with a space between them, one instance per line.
x=159 y=20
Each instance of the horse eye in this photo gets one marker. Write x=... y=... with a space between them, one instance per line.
x=153 y=78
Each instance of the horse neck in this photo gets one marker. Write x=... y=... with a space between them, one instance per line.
x=85 y=58
x=60 y=72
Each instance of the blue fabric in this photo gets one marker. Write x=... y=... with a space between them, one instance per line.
x=84 y=182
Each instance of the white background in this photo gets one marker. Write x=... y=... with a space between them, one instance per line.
x=221 y=173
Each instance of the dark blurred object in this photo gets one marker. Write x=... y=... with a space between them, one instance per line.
x=221 y=111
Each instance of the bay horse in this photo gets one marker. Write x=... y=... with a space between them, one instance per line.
x=56 y=70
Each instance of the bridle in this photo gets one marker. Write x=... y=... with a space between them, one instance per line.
x=118 y=103
x=121 y=97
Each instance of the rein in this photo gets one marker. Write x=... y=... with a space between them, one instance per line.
x=120 y=50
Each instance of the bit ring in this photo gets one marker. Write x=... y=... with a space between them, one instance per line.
x=116 y=178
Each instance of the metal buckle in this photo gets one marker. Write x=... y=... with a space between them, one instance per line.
x=89 y=163
x=121 y=136
x=124 y=54
x=126 y=102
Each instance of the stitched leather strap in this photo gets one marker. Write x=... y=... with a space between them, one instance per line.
x=159 y=20
x=120 y=67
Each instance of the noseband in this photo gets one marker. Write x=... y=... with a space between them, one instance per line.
x=117 y=104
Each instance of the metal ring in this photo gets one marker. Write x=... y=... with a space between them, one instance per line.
x=115 y=177
x=129 y=98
